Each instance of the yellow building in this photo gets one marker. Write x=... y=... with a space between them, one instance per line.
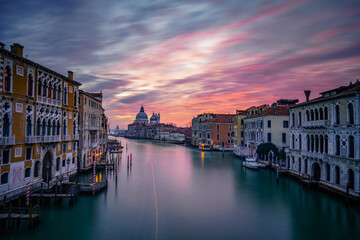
x=238 y=121
x=38 y=123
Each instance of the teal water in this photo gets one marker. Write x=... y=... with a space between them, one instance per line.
x=199 y=196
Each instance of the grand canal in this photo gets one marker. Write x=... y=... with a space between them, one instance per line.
x=198 y=196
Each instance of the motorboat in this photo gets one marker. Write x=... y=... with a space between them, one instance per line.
x=251 y=165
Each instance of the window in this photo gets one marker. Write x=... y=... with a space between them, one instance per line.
x=218 y=136
x=75 y=97
x=230 y=126
x=327 y=172
x=312 y=117
x=28 y=153
x=4 y=178
x=30 y=85
x=293 y=141
x=351 y=178
x=269 y=137
x=351 y=113
x=284 y=137
x=307 y=115
x=65 y=95
x=73 y=160
x=286 y=124
x=337 y=140
x=321 y=113
x=292 y=121
x=6 y=125
x=300 y=119
x=8 y=77
x=28 y=126
x=326 y=144
x=27 y=172
x=218 y=127
x=269 y=123
x=337 y=114
x=316 y=114
x=64 y=148
x=6 y=156
x=308 y=143
x=242 y=133
x=325 y=113
x=351 y=147
x=300 y=142
x=63 y=163
x=228 y=134
x=337 y=175
x=74 y=146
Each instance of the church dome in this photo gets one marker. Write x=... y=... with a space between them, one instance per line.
x=153 y=118
x=142 y=117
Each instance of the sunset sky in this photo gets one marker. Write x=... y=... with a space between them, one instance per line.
x=181 y=58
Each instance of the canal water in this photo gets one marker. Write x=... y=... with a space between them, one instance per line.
x=199 y=195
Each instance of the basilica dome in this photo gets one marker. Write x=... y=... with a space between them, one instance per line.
x=142 y=117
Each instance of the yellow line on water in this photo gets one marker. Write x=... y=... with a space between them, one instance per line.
x=156 y=207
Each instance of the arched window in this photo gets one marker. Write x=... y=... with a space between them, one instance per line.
x=316 y=143
x=337 y=175
x=44 y=89
x=327 y=167
x=299 y=165
x=28 y=126
x=351 y=147
x=75 y=97
x=59 y=93
x=74 y=127
x=316 y=114
x=308 y=143
x=30 y=85
x=351 y=179
x=321 y=143
x=306 y=166
x=351 y=119
x=27 y=172
x=65 y=95
x=293 y=119
x=300 y=142
x=307 y=115
x=49 y=128
x=337 y=114
x=4 y=178
x=312 y=115
x=337 y=144
x=321 y=114
x=54 y=128
x=58 y=128
x=64 y=128
x=293 y=140
x=326 y=139
x=49 y=91
x=6 y=125
x=300 y=119
x=43 y=128
x=39 y=87
x=312 y=143
x=63 y=163
x=38 y=127
x=7 y=83
x=326 y=113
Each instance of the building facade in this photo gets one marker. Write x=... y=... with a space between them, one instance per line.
x=38 y=122
x=196 y=128
x=93 y=129
x=271 y=125
x=325 y=139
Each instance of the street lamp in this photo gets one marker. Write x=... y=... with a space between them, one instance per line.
x=68 y=162
x=47 y=175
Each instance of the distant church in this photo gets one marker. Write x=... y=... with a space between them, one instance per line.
x=142 y=117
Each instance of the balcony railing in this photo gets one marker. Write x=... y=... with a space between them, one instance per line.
x=317 y=123
x=66 y=138
x=49 y=101
x=7 y=140
x=32 y=139
x=76 y=137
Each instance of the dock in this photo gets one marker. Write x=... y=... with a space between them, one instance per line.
x=88 y=188
x=13 y=215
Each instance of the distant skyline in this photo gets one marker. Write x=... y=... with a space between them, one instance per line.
x=181 y=58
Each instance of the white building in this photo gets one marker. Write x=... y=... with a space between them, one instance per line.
x=323 y=137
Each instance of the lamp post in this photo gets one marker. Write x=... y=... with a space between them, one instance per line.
x=47 y=175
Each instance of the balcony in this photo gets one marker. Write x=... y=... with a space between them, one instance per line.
x=317 y=123
x=76 y=137
x=7 y=141
x=66 y=138
x=32 y=139
x=49 y=101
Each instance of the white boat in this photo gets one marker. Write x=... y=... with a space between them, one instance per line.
x=251 y=165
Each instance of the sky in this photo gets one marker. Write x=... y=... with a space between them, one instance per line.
x=182 y=58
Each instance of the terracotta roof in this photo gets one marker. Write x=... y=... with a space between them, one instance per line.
x=278 y=110
x=222 y=118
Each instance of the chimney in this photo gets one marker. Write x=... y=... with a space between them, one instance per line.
x=307 y=94
x=17 y=49
x=70 y=75
x=2 y=45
